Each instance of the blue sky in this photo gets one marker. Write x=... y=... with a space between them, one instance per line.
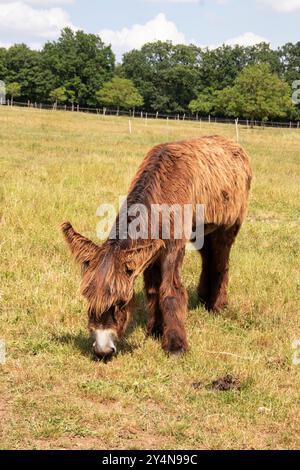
x=128 y=24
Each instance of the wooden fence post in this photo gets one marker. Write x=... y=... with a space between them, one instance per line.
x=237 y=129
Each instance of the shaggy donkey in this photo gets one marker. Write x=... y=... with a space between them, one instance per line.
x=212 y=171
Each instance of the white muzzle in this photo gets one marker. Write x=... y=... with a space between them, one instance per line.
x=104 y=344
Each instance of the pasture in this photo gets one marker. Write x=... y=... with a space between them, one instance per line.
x=58 y=166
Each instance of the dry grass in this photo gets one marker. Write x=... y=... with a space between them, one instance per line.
x=57 y=166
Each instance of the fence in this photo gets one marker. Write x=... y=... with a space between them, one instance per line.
x=157 y=115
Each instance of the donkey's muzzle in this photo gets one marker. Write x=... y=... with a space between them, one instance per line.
x=104 y=346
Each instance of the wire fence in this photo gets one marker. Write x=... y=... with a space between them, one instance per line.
x=150 y=115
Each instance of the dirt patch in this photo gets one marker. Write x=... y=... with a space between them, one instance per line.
x=223 y=384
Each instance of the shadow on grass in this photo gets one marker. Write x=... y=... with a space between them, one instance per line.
x=80 y=341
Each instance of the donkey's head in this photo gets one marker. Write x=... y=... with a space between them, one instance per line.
x=108 y=275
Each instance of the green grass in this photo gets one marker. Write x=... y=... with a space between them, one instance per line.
x=57 y=166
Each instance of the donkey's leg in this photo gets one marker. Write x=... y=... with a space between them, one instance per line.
x=173 y=303
x=221 y=244
x=152 y=280
x=204 y=282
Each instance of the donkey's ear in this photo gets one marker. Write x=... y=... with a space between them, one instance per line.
x=83 y=249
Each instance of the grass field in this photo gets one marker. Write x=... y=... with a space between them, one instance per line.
x=58 y=166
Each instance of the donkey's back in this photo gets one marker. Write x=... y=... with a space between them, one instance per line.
x=213 y=171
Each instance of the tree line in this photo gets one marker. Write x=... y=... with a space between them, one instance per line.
x=248 y=82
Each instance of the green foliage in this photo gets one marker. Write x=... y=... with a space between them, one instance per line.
x=79 y=62
x=59 y=95
x=3 y=67
x=120 y=93
x=170 y=78
x=167 y=76
x=13 y=90
x=257 y=94
x=221 y=66
x=204 y=103
x=23 y=67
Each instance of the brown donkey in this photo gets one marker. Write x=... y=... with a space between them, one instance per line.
x=212 y=171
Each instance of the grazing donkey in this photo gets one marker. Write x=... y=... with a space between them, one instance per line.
x=212 y=171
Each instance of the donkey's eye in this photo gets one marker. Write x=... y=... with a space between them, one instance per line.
x=85 y=266
x=129 y=271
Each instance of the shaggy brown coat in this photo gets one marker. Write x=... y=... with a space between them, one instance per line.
x=213 y=171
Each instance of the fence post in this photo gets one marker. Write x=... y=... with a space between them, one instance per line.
x=78 y=108
x=156 y=114
x=237 y=129
x=298 y=125
x=130 y=127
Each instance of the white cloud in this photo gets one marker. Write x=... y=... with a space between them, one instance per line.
x=282 y=6
x=135 y=37
x=19 y=17
x=246 y=39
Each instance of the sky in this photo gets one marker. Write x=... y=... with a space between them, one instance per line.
x=128 y=24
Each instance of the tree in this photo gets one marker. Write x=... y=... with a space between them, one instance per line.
x=204 y=103
x=120 y=93
x=59 y=95
x=23 y=67
x=3 y=68
x=290 y=61
x=167 y=76
x=13 y=90
x=258 y=94
x=79 y=62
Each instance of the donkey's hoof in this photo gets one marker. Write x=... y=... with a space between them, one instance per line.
x=175 y=343
x=217 y=307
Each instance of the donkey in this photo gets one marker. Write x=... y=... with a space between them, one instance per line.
x=212 y=171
